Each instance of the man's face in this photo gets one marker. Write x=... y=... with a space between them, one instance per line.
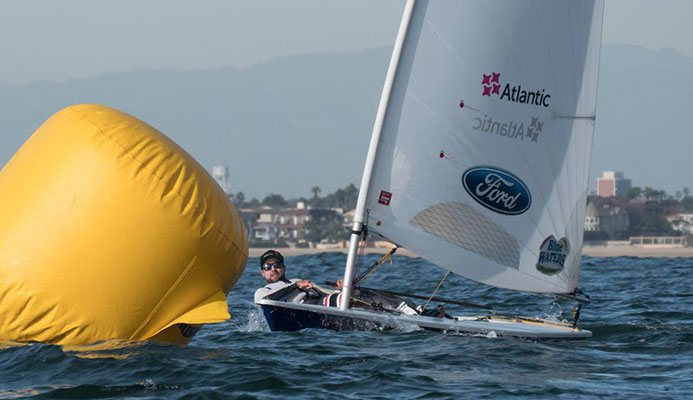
x=275 y=273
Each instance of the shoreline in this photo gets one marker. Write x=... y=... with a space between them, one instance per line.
x=592 y=251
x=638 y=252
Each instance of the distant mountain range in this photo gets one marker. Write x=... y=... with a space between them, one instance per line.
x=296 y=122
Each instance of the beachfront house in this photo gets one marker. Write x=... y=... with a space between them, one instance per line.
x=284 y=226
x=681 y=222
x=609 y=221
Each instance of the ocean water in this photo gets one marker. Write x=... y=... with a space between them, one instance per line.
x=641 y=316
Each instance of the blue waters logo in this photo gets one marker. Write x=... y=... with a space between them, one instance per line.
x=497 y=189
x=552 y=255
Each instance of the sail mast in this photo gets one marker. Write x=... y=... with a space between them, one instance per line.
x=357 y=229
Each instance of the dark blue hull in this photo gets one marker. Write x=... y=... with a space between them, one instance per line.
x=290 y=320
x=291 y=317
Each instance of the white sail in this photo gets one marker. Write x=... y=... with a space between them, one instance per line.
x=482 y=159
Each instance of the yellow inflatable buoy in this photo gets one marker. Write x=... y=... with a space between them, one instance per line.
x=109 y=230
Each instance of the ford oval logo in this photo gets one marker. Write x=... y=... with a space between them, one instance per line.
x=497 y=190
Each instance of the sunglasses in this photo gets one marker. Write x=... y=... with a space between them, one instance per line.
x=269 y=266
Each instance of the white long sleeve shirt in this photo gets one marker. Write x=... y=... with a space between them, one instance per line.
x=281 y=289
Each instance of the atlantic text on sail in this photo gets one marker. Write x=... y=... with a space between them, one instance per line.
x=517 y=95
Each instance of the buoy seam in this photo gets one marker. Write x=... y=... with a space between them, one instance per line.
x=165 y=296
x=143 y=166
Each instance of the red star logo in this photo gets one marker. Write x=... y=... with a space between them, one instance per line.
x=496 y=77
x=487 y=91
x=496 y=89
x=486 y=80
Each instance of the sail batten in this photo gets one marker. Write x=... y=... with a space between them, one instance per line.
x=484 y=142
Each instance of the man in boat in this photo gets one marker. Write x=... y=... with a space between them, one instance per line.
x=278 y=287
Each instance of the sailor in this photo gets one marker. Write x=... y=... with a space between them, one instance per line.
x=278 y=287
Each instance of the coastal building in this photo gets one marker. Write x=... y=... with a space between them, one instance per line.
x=613 y=184
x=220 y=173
x=284 y=226
x=681 y=222
x=611 y=221
x=348 y=218
x=265 y=232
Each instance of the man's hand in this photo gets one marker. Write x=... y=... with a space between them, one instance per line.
x=339 y=284
x=304 y=284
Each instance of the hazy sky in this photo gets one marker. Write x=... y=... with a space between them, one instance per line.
x=59 y=40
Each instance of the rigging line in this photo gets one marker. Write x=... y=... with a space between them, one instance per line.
x=356 y=299
x=386 y=257
x=577 y=295
x=373 y=306
x=434 y=292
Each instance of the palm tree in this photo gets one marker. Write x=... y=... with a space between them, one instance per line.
x=316 y=190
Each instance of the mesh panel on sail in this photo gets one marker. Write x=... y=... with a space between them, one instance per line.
x=467 y=228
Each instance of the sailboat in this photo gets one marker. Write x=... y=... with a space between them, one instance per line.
x=479 y=158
